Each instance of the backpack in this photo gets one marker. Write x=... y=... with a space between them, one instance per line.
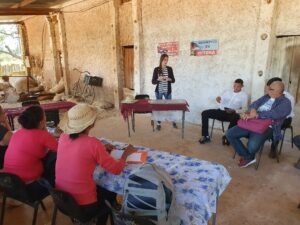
x=149 y=194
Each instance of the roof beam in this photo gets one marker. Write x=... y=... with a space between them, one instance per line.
x=25 y=11
x=23 y=3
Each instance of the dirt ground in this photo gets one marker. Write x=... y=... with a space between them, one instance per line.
x=269 y=195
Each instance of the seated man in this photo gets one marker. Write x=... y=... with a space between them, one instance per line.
x=287 y=122
x=230 y=104
x=5 y=135
x=273 y=105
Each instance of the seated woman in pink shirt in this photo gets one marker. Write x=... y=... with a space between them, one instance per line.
x=27 y=153
x=77 y=156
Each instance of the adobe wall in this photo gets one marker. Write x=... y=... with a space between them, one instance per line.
x=237 y=25
x=288 y=22
x=199 y=79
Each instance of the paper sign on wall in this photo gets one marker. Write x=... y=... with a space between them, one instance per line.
x=170 y=48
x=204 y=47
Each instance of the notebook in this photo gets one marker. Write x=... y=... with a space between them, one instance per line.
x=138 y=157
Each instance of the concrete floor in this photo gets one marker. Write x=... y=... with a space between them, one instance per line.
x=269 y=195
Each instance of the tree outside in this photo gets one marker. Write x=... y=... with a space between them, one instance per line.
x=10 y=50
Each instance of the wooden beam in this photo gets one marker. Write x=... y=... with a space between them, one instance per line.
x=23 y=3
x=25 y=11
x=54 y=49
x=64 y=52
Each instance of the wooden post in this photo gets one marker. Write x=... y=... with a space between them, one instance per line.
x=25 y=47
x=53 y=46
x=64 y=52
x=116 y=51
x=138 y=50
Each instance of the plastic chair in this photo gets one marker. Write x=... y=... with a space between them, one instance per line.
x=139 y=97
x=13 y=187
x=66 y=204
x=287 y=124
x=212 y=127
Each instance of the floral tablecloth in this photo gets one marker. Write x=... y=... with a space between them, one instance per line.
x=198 y=183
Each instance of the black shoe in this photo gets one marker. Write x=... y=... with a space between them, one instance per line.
x=174 y=125
x=225 y=141
x=158 y=127
x=204 y=139
x=272 y=154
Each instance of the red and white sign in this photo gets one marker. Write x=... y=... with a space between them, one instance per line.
x=170 y=48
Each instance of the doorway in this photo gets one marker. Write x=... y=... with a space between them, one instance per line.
x=285 y=63
x=128 y=57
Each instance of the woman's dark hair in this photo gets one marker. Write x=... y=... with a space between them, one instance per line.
x=162 y=57
x=31 y=117
x=75 y=135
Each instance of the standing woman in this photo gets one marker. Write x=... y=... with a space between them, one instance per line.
x=163 y=77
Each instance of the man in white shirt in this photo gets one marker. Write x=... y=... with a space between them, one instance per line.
x=230 y=104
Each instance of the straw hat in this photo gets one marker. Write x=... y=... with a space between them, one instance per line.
x=78 y=118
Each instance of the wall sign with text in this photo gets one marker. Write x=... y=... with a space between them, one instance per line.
x=170 y=48
x=204 y=47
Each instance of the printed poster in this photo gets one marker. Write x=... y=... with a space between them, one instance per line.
x=170 y=48
x=204 y=47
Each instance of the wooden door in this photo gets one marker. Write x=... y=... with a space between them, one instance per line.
x=285 y=63
x=128 y=66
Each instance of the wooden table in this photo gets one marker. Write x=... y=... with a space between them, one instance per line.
x=15 y=111
x=148 y=106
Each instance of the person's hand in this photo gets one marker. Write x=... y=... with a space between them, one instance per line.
x=128 y=151
x=218 y=99
x=109 y=147
x=244 y=116
x=160 y=78
x=253 y=114
x=169 y=79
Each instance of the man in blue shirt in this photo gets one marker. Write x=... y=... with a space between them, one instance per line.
x=274 y=105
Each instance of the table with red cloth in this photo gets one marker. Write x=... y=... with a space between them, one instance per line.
x=15 y=111
x=149 y=106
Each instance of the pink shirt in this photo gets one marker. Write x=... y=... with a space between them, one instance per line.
x=26 y=149
x=75 y=165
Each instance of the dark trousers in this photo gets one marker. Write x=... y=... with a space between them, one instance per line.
x=37 y=190
x=100 y=208
x=218 y=114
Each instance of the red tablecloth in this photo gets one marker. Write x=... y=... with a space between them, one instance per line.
x=12 y=112
x=144 y=106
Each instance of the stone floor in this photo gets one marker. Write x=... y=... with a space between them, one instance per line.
x=269 y=195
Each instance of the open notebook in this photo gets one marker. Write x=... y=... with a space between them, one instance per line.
x=138 y=157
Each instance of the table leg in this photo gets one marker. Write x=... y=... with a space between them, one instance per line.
x=11 y=122
x=214 y=216
x=182 y=129
x=128 y=126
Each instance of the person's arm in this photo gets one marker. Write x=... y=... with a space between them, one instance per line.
x=281 y=110
x=256 y=104
x=49 y=141
x=6 y=138
x=106 y=161
x=171 y=75
x=155 y=76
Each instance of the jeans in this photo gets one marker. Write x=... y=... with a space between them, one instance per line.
x=255 y=141
x=160 y=96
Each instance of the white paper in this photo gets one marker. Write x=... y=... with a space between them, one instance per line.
x=117 y=154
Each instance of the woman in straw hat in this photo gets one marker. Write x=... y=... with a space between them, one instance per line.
x=77 y=156
x=27 y=154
